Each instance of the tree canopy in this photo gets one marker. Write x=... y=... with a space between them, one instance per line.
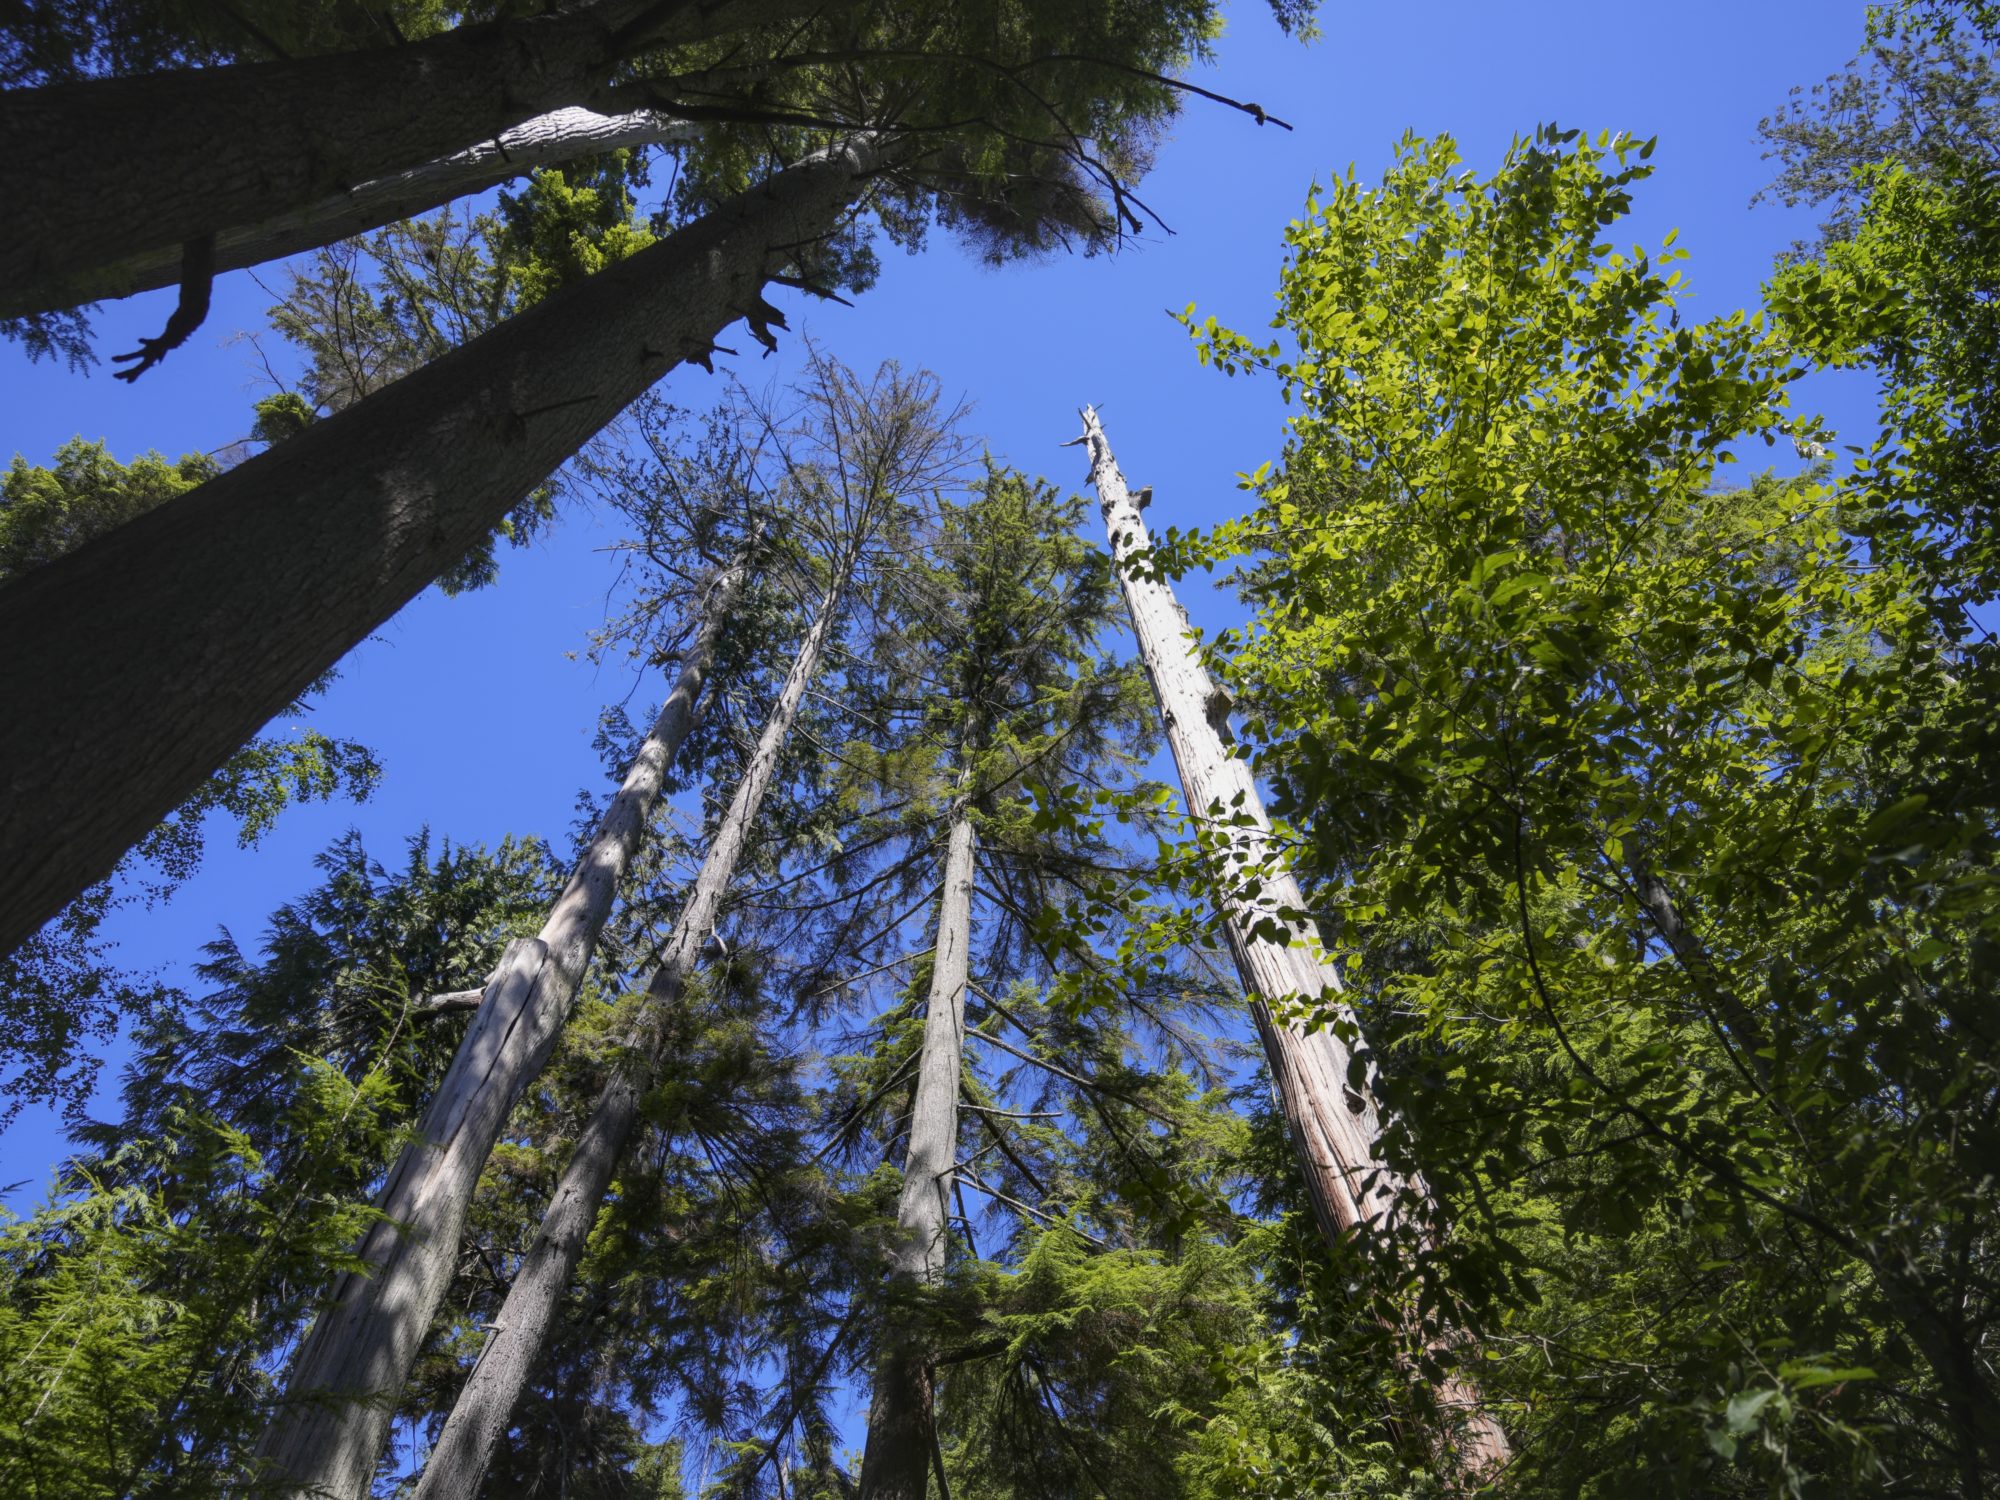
x=1560 y=1061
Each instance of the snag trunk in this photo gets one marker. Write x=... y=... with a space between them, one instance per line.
x=1329 y=1110
x=339 y=1397
x=479 y=1418
x=896 y=1462
x=163 y=646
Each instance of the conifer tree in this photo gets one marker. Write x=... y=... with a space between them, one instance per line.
x=141 y=1310
x=864 y=495
x=995 y=678
x=282 y=565
x=62 y=989
x=867 y=451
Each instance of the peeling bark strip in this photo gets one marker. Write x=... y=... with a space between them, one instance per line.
x=98 y=171
x=326 y=1438
x=896 y=1462
x=485 y=1407
x=547 y=140
x=149 y=656
x=1333 y=1124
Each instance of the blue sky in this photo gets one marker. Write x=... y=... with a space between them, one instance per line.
x=440 y=692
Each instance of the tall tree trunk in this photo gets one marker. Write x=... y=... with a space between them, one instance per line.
x=327 y=1436
x=99 y=171
x=146 y=658
x=896 y=1462
x=479 y=1418
x=1330 y=1115
x=547 y=140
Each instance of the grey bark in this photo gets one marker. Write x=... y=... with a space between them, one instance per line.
x=200 y=620
x=547 y=140
x=1328 y=1106
x=896 y=1462
x=1691 y=953
x=480 y=1417
x=328 y=1433
x=98 y=171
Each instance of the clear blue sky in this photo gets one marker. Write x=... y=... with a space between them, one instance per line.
x=439 y=693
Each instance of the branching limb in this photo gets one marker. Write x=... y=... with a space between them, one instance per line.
x=197 y=283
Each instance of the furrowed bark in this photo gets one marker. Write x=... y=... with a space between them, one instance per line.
x=326 y=1436
x=547 y=140
x=149 y=656
x=896 y=1462
x=480 y=1417
x=1331 y=1117
x=99 y=171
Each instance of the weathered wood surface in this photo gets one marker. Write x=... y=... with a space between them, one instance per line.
x=1329 y=1109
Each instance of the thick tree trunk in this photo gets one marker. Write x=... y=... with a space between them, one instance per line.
x=327 y=1436
x=896 y=1462
x=139 y=663
x=96 y=172
x=1330 y=1114
x=479 y=1418
x=547 y=140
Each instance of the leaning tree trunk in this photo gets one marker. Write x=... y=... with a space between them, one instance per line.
x=896 y=1463
x=161 y=647
x=98 y=171
x=1328 y=1111
x=479 y=1418
x=339 y=1395
x=547 y=140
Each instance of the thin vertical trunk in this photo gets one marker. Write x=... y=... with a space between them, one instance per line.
x=107 y=168
x=340 y=1392
x=547 y=140
x=161 y=647
x=896 y=1462
x=1725 y=1010
x=1330 y=1115
x=479 y=1418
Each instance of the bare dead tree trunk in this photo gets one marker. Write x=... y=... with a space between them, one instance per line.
x=98 y=171
x=162 y=646
x=547 y=140
x=479 y=1418
x=1333 y=1123
x=326 y=1437
x=896 y=1462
